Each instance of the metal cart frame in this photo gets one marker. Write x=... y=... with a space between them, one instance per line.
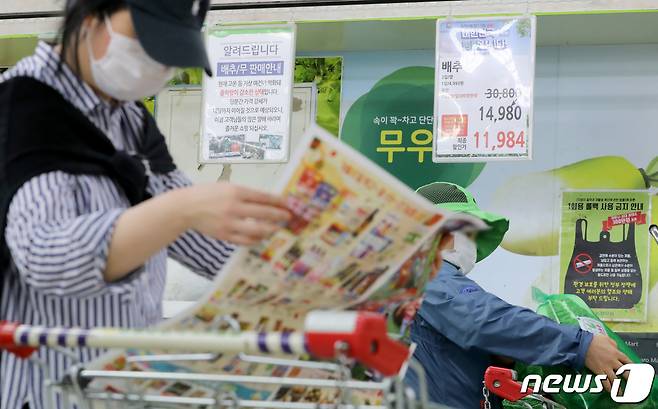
x=344 y=337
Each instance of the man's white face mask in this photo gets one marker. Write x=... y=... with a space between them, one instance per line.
x=464 y=253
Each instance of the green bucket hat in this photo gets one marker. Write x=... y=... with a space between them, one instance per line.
x=455 y=198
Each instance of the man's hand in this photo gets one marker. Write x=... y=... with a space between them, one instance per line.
x=604 y=358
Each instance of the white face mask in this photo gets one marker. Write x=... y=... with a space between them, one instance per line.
x=126 y=72
x=464 y=253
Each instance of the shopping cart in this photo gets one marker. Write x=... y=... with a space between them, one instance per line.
x=345 y=338
x=503 y=383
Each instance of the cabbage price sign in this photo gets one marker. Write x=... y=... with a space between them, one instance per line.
x=484 y=89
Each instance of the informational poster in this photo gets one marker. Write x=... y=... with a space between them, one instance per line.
x=359 y=239
x=604 y=251
x=484 y=89
x=247 y=102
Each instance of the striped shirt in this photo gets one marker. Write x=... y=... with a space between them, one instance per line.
x=58 y=231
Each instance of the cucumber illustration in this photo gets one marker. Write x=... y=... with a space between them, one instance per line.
x=531 y=201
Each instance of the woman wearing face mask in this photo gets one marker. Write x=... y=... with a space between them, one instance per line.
x=91 y=202
x=461 y=330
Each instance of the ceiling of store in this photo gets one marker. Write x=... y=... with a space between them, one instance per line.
x=595 y=29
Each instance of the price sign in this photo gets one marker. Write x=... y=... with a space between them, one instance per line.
x=484 y=89
x=247 y=103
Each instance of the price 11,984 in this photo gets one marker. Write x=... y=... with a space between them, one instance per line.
x=511 y=112
x=509 y=140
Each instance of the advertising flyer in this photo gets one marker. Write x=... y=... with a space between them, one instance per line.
x=484 y=89
x=247 y=103
x=358 y=238
x=604 y=251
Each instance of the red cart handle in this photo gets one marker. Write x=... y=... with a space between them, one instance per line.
x=7 y=343
x=364 y=335
x=502 y=382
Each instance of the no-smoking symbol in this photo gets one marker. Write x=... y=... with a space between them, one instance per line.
x=583 y=263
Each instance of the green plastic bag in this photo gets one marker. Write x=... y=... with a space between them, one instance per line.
x=571 y=310
x=533 y=404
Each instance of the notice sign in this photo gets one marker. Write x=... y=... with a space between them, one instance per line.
x=247 y=102
x=484 y=89
x=604 y=251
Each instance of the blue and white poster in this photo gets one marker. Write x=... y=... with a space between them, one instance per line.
x=247 y=102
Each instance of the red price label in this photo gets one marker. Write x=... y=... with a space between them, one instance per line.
x=502 y=140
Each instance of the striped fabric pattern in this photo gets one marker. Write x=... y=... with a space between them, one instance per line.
x=59 y=228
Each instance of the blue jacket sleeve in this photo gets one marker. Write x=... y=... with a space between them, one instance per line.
x=463 y=312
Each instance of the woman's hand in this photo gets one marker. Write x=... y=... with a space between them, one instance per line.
x=220 y=210
x=232 y=213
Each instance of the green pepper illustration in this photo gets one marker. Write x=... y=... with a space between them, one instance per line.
x=532 y=201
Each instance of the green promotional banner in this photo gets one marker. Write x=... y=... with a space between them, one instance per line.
x=604 y=251
x=392 y=125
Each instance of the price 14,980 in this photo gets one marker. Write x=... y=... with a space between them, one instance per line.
x=510 y=113
x=503 y=139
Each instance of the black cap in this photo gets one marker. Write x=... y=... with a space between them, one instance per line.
x=170 y=31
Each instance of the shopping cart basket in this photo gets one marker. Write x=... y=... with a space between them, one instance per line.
x=344 y=337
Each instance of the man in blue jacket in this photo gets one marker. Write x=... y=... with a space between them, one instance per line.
x=461 y=330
